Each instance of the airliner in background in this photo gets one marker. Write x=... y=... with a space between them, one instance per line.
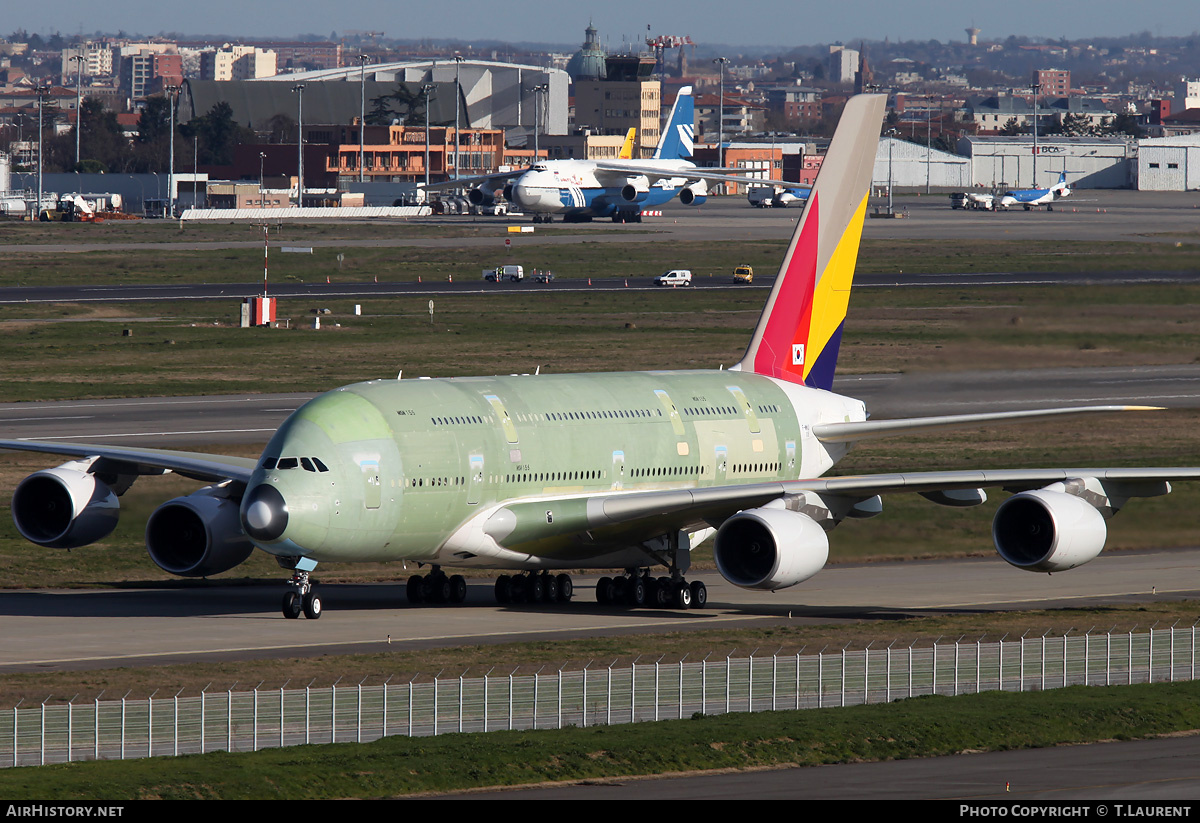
x=581 y=190
x=1027 y=198
x=539 y=475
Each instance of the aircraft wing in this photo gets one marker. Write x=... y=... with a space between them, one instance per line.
x=473 y=182
x=630 y=518
x=130 y=460
x=690 y=174
x=873 y=429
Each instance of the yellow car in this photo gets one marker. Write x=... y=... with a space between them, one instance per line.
x=743 y=274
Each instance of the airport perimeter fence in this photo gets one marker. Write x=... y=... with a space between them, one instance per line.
x=258 y=719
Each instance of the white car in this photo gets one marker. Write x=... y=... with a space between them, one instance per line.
x=674 y=277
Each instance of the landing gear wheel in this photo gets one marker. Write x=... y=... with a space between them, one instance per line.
x=550 y=587
x=504 y=590
x=458 y=589
x=604 y=591
x=312 y=606
x=415 y=590
x=637 y=592
x=566 y=589
x=682 y=596
x=699 y=595
x=291 y=605
x=534 y=588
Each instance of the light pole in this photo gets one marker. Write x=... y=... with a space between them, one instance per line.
x=41 y=90
x=538 y=91
x=299 y=89
x=458 y=61
x=172 y=98
x=78 y=103
x=1036 y=88
x=362 y=110
x=721 y=61
x=425 y=90
x=928 y=147
x=262 y=162
x=890 y=133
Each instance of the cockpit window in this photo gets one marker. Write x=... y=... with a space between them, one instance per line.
x=321 y=467
x=288 y=463
x=268 y=463
x=307 y=464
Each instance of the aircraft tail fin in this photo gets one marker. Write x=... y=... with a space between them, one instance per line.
x=627 y=148
x=800 y=330
x=677 y=137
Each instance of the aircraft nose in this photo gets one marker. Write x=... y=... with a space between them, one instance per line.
x=264 y=513
x=528 y=197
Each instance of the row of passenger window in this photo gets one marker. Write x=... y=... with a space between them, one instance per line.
x=459 y=421
x=755 y=468
x=618 y=414
x=669 y=471
x=309 y=464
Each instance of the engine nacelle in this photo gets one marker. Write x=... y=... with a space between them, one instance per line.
x=481 y=197
x=1048 y=531
x=695 y=194
x=636 y=191
x=770 y=548
x=64 y=507
x=508 y=192
x=197 y=536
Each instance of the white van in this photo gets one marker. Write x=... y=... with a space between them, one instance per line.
x=514 y=274
x=674 y=277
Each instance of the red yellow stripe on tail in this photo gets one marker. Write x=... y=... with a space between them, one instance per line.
x=800 y=330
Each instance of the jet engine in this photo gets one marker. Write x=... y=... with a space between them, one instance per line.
x=636 y=190
x=480 y=196
x=197 y=535
x=64 y=507
x=694 y=194
x=770 y=548
x=1048 y=531
x=508 y=192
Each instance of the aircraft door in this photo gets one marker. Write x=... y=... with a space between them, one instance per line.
x=475 y=481
x=721 y=466
x=618 y=470
x=372 y=488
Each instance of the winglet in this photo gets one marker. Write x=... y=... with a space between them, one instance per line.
x=800 y=330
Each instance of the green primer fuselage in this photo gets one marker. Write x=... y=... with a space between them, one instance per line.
x=410 y=463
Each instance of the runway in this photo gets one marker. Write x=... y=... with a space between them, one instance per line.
x=67 y=630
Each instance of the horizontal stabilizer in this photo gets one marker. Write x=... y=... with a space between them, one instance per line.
x=873 y=429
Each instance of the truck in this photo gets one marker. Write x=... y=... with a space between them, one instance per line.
x=743 y=274
x=513 y=274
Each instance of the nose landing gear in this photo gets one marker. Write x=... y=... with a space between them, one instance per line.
x=301 y=597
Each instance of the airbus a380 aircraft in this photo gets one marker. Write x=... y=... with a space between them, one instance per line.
x=543 y=474
x=579 y=190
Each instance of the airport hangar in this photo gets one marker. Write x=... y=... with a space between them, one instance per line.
x=497 y=95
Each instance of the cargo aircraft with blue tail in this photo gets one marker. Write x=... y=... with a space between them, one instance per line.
x=578 y=191
x=537 y=476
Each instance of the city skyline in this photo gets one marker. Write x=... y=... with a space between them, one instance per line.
x=757 y=24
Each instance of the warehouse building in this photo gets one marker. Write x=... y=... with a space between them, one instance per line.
x=1169 y=163
x=1090 y=162
x=915 y=166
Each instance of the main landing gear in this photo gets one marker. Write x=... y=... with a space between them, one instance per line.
x=636 y=590
x=301 y=597
x=534 y=588
x=436 y=587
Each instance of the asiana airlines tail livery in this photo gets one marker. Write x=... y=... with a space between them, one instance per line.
x=539 y=475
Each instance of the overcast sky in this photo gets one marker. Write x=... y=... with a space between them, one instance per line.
x=708 y=22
